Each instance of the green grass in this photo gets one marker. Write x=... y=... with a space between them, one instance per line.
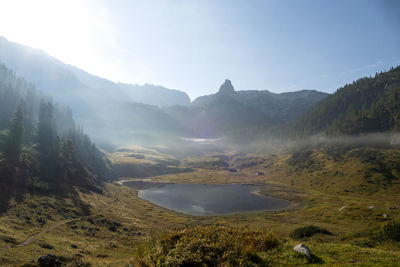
x=346 y=193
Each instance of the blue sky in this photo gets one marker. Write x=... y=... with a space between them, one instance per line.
x=195 y=45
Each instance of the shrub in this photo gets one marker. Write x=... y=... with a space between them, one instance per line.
x=45 y=245
x=8 y=239
x=388 y=232
x=206 y=246
x=308 y=231
x=391 y=231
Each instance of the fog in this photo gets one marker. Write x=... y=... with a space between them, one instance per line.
x=117 y=115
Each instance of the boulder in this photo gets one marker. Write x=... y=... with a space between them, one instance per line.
x=303 y=250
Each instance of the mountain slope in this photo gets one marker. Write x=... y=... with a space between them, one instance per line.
x=41 y=148
x=370 y=104
x=55 y=77
x=103 y=107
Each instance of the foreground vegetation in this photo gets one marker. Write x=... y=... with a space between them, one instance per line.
x=207 y=246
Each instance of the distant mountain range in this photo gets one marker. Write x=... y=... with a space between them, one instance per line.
x=124 y=113
x=229 y=110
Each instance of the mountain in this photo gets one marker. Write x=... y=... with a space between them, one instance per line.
x=230 y=111
x=370 y=104
x=53 y=76
x=155 y=95
x=276 y=107
x=102 y=106
x=116 y=113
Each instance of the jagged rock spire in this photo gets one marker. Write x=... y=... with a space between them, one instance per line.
x=226 y=88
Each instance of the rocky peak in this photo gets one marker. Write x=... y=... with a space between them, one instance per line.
x=226 y=88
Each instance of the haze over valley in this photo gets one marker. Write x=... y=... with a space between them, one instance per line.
x=205 y=133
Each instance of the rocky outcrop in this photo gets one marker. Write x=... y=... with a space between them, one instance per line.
x=226 y=88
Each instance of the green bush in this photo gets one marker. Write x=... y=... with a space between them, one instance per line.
x=388 y=232
x=206 y=246
x=391 y=231
x=308 y=231
x=8 y=239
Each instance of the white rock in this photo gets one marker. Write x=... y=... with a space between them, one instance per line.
x=302 y=249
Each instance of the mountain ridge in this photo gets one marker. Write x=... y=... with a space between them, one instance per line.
x=17 y=57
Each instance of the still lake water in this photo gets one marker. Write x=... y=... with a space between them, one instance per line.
x=208 y=199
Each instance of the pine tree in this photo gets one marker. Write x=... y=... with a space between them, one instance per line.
x=46 y=141
x=14 y=142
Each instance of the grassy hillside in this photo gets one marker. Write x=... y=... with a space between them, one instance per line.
x=115 y=228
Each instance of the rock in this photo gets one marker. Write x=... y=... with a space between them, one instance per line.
x=125 y=229
x=302 y=249
x=49 y=260
x=226 y=88
x=74 y=246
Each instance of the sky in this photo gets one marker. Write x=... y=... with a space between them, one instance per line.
x=194 y=45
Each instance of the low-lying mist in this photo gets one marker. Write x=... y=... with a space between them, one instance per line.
x=181 y=147
x=270 y=145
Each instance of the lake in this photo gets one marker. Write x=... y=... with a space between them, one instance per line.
x=207 y=199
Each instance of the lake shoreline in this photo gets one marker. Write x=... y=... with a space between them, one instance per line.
x=215 y=200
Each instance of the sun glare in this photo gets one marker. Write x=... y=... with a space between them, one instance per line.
x=68 y=30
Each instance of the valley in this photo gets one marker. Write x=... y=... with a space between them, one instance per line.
x=320 y=196
x=101 y=173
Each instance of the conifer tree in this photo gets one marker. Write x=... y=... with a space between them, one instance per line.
x=46 y=142
x=14 y=142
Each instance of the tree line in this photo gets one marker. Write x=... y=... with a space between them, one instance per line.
x=40 y=144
